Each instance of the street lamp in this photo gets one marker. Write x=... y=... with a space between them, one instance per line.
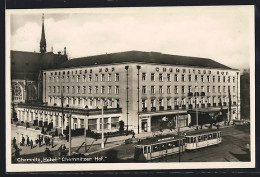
x=138 y=111
x=126 y=67
x=69 y=117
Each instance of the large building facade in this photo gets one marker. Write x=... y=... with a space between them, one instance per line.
x=146 y=90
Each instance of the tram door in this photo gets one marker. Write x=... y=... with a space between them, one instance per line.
x=148 y=152
x=144 y=125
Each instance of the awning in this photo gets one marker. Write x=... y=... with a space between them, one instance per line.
x=206 y=110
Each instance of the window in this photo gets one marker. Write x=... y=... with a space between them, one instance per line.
x=78 y=78
x=92 y=124
x=234 y=89
x=208 y=89
x=58 y=78
x=78 y=102
x=152 y=89
x=84 y=78
x=152 y=77
x=89 y=89
x=160 y=102
x=189 y=78
x=189 y=89
x=96 y=89
x=218 y=78
x=90 y=78
x=105 y=123
x=68 y=89
x=213 y=79
x=58 y=89
x=73 y=79
x=96 y=78
x=152 y=103
x=143 y=76
x=214 y=89
x=54 y=89
x=84 y=89
x=234 y=79
x=224 y=89
x=102 y=78
x=176 y=102
x=168 y=77
x=54 y=79
x=168 y=89
x=78 y=89
x=73 y=89
x=196 y=78
x=176 y=89
x=202 y=88
x=228 y=78
x=49 y=79
x=164 y=69
x=160 y=89
x=114 y=122
x=168 y=102
x=176 y=78
x=143 y=103
x=183 y=77
x=117 y=90
x=62 y=79
x=144 y=89
x=202 y=78
x=49 y=89
x=109 y=77
x=117 y=77
x=109 y=89
x=208 y=78
x=160 y=77
x=68 y=78
x=102 y=89
x=224 y=79
x=182 y=89
x=218 y=89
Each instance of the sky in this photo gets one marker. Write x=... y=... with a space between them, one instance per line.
x=222 y=33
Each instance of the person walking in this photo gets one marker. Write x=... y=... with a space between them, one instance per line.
x=133 y=134
x=28 y=141
x=64 y=147
x=23 y=140
x=14 y=141
x=52 y=143
x=40 y=141
x=31 y=143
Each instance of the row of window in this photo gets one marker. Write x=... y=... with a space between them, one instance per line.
x=180 y=102
x=190 y=78
x=176 y=89
x=83 y=89
x=71 y=78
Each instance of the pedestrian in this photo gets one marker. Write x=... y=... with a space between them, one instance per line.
x=47 y=152
x=45 y=140
x=28 y=141
x=64 y=147
x=60 y=150
x=52 y=142
x=133 y=134
x=31 y=143
x=67 y=137
x=14 y=141
x=40 y=141
x=23 y=140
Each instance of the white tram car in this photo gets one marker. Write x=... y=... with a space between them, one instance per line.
x=146 y=150
x=202 y=138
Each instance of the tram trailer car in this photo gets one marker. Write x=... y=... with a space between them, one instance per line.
x=153 y=149
x=202 y=138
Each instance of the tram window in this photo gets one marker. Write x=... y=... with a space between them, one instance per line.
x=145 y=150
x=163 y=146
x=187 y=139
x=220 y=134
x=175 y=143
x=214 y=135
x=209 y=136
x=155 y=148
x=205 y=137
x=149 y=149
x=199 y=139
x=139 y=150
x=195 y=139
x=169 y=145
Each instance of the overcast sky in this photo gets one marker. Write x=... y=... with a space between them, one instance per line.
x=221 y=33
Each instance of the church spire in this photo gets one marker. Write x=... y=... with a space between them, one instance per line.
x=43 y=40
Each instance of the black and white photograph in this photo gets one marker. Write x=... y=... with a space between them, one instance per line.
x=130 y=88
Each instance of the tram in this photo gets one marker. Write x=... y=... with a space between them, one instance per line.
x=153 y=149
x=202 y=138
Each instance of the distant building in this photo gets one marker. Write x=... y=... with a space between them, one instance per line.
x=146 y=90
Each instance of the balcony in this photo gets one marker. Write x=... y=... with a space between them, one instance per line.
x=196 y=94
x=225 y=104
x=202 y=94
x=190 y=94
x=202 y=105
x=234 y=103
x=214 y=104
x=169 y=107
x=183 y=106
x=161 y=108
x=153 y=109
x=190 y=106
x=208 y=104
x=176 y=107
x=144 y=109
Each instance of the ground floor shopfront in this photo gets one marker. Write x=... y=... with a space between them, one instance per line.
x=88 y=119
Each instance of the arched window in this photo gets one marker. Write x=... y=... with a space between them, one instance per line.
x=18 y=93
x=32 y=93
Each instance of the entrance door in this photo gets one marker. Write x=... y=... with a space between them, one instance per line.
x=144 y=125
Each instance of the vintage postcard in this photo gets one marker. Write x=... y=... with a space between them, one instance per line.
x=130 y=88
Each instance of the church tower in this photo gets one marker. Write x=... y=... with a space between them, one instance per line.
x=43 y=40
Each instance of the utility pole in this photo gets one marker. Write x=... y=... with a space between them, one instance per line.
x=102 y=126
x=85 y=133
x=69 y=116
x=126 y=67
x=196 y=106
x=138 y=111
